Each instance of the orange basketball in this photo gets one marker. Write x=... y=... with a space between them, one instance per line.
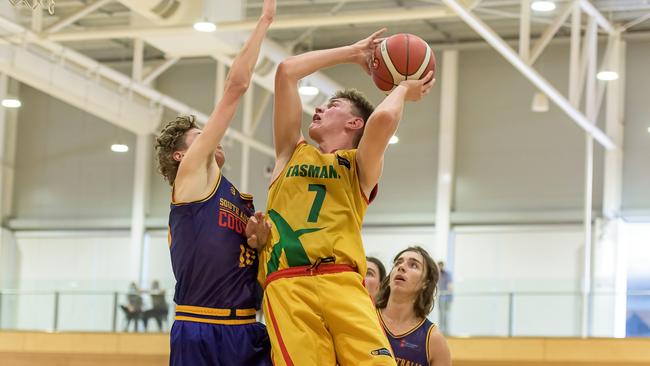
x=401 y=57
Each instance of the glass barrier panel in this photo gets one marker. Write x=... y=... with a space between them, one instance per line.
x=546 y=314
x=478 y=315
x=88 y=312
x=28 y=311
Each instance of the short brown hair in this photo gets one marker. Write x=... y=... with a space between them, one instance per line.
x=361 y=106
x=424 y=302
x=172 y=139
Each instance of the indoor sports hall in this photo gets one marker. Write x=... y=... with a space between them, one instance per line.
x=525 y=170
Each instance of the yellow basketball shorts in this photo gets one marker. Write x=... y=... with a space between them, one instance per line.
x=323 y=316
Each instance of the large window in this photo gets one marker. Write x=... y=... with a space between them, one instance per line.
x=636 y=238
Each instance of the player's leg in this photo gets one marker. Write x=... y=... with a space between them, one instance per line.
x=246 y=344
x=358 y=336
x=292 y=310
x=193 y=344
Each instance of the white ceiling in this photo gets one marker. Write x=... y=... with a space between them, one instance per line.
x=501 y=15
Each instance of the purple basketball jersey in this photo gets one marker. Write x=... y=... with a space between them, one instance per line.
x=213 y=265
x=411 y=348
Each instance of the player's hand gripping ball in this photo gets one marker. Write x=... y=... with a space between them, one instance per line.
x=401 y=57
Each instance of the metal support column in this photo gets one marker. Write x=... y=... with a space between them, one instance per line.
x=141 y=179
x=447 y=142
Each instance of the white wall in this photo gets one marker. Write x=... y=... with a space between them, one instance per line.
x=385 y=243
x=75 y=260
x=535 y=260
x=636 y=175
x=9 y=260
x=73 y=263
x=9 y=276
x=157 y=261
x=88 y=271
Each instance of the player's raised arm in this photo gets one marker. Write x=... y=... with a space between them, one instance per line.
x=381 y=126
x=287 y=115
x=236 y=84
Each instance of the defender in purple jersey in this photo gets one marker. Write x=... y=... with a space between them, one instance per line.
x=213 y=232
x=216 y=288
x=404 y=300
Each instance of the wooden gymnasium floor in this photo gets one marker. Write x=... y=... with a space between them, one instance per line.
x=129 y=349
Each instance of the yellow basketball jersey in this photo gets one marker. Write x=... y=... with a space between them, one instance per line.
x=316 y=208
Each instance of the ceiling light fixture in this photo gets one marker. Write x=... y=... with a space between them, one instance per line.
x=308 y=90
x=543 y=6
x=606 y=75
x=119 y=148
x=205 y=26
x=11 y=103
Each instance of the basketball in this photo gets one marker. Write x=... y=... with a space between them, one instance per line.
x=401 y=57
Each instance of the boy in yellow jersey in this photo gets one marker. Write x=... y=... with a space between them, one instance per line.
x=315 y=304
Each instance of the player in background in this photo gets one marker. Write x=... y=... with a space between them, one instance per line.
x=403 y=303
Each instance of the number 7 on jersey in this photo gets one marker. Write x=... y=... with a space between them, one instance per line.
x=318 y=201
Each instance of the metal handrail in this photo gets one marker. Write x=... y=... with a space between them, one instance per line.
x=543 y=293
x=440 y=293
x=509 y=297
